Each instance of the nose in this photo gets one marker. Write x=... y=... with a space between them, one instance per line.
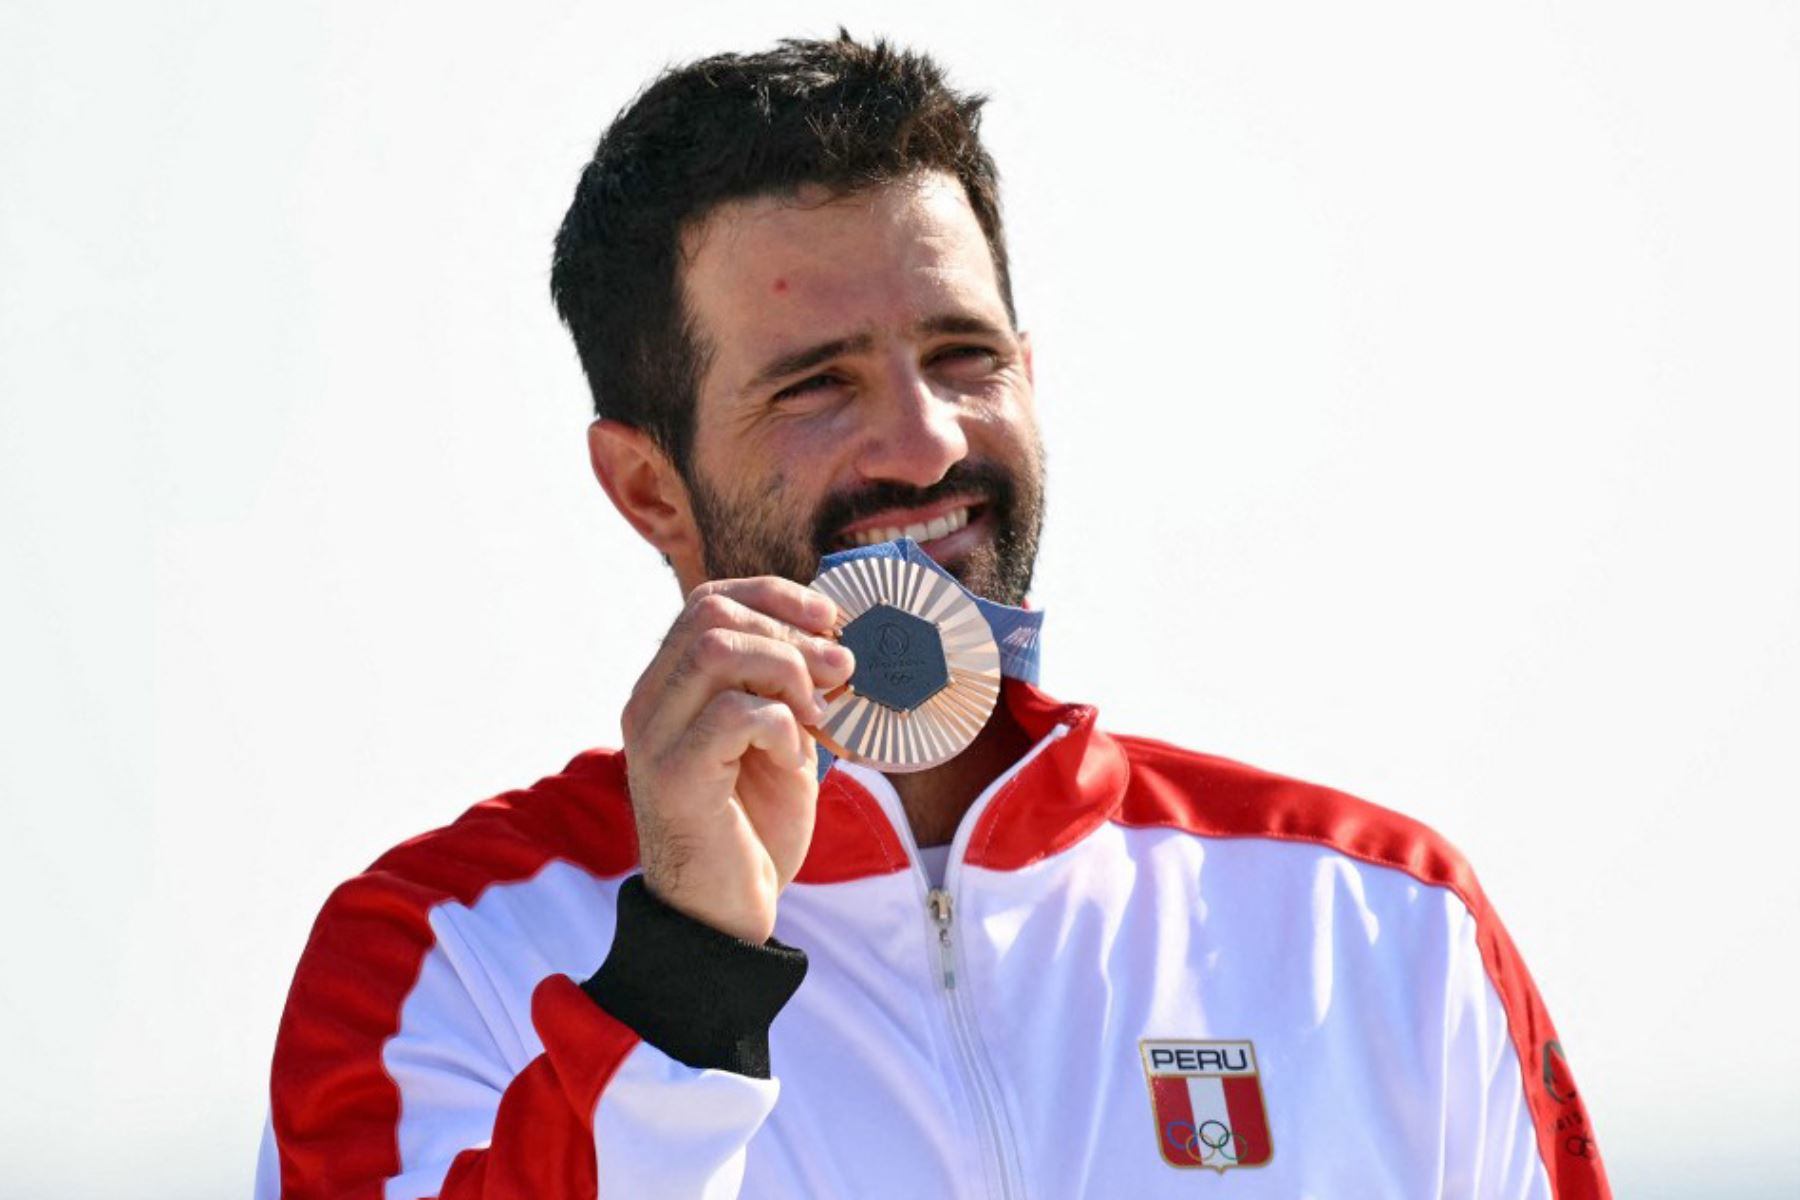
x=914 y=432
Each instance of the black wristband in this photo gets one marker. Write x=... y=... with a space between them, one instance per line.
x=700 y=996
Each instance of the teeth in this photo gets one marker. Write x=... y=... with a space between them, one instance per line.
x=869 y=537
x=947 y=524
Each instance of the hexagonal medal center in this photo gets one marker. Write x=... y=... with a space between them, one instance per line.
x=899 y=658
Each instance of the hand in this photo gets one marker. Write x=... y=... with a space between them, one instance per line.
x=723 y=775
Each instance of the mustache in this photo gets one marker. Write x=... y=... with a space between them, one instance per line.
x=985 y=482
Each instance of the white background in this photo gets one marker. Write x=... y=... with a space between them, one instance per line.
x=1422 y=391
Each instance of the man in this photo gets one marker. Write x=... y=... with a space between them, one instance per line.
x=1061 y=963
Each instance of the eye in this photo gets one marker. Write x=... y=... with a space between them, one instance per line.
x=811 y=383
x=965 y=354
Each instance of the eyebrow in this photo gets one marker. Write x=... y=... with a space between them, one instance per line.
x=806 y=358
x=793 y=362
x=960 y=323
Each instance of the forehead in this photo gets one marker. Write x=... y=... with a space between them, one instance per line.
x=766 y=275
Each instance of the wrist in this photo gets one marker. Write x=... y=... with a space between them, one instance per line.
x=695 y=992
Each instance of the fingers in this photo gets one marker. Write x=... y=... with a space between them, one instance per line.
x=719 y=662
x=722 y=643
x=734 y=723
x=734 y=736
x=722 y=772
x=697 y=770
x=783 y=599
x=828 y=661
x=777 y=767
x=781 y=805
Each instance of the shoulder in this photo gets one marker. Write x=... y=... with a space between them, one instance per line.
x=372 y=948
x=1209 y=796
x=364 y=953
x=580 y=815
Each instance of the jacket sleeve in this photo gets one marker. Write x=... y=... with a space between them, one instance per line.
x=652 y=1078
x=1516 y=1128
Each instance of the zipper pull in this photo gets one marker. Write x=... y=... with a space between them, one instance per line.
x=943 y=911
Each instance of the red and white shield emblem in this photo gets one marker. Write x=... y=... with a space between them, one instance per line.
x=1207 y=1101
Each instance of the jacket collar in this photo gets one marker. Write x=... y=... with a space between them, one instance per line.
x=1069 y=788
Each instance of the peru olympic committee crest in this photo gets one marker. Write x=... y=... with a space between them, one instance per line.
x=1207 y=1103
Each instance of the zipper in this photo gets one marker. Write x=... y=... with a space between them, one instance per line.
x=943 y=911
x=941 y=906
x=940 y=911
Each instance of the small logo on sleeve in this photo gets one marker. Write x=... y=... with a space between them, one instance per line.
x=1557 y=1079
x=1206 y=1100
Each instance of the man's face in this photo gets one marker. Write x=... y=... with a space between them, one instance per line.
x=862 y=380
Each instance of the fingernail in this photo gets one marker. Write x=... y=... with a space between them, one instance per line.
x=819 y=705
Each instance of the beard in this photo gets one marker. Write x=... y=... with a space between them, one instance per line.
x=767 y=534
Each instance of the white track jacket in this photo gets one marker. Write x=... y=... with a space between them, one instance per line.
x=1149 y=973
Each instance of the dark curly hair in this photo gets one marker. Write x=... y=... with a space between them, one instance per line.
x=835 y=113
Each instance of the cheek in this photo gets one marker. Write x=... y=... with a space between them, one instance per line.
x=1008 y=398
x=785 y=476
x=809 y=448
x=1006 y=423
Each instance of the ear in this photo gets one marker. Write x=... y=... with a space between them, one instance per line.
x=645 y=487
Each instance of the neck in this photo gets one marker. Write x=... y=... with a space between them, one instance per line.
x=935 y=800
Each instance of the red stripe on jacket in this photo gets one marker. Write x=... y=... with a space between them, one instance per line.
x=543 y=1141
x=335 y=1109
x=1173 y=788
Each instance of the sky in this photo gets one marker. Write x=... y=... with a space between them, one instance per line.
x=1421 y=389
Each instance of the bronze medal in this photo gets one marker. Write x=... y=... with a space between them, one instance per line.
x=927 y=667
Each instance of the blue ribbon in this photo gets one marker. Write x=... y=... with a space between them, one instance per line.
x=1017 y=631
